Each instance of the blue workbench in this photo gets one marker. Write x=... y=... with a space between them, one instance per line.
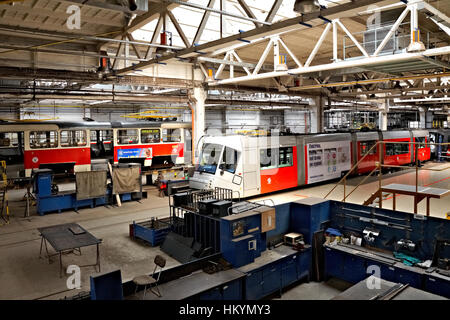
x=274 y=270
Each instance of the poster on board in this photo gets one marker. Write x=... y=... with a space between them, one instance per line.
x=135 y=153
x=327 y=160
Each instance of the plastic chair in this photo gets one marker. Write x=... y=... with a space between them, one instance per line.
x=151 y=281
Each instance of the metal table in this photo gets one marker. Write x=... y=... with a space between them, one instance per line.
x=419 y=195
x=360 y=291
x=67 y=238
x=194 y=284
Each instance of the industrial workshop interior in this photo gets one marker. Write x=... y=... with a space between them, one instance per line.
x=244 y=153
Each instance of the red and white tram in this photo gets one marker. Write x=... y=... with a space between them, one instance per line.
x=258 y=165
x=71 y=146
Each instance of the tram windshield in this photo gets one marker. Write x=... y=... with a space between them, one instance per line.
x=210 y=158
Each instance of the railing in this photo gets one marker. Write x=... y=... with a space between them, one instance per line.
x=379 y=166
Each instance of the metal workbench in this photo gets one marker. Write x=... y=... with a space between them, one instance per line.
x=66 y=238
x=194 y=284
x=360 y=291
x=419 y=195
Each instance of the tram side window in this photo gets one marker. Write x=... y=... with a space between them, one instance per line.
x=9 y=139
x=276 y=158
x=43 y=139
x=73 y=138
x=171 y=135
x=229 y=160
x=104 y=135
x=421 y=141
x=393 y=149
x=129 y=136
x=150 y=136
x=365 y=147
x=267 y=158
x=286 y=157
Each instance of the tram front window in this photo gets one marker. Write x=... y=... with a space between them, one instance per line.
x=210 y=158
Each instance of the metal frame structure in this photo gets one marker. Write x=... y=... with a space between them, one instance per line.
x=366 y=59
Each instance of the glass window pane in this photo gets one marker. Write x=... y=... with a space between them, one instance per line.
x=43 y=139
x=150 y=136
x=171 y=135
x=210 y=158
x=229 y=160
x=129 y=136
x=73 y=138
x=9 y=139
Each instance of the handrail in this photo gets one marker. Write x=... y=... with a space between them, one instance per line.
x=362 y=181
x=379 y=165
x=352 y=169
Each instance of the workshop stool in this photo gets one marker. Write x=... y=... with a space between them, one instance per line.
x=151 y=281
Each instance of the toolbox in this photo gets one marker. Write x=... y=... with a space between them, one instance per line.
x=205 y=207
x=181 y=199
x=220 y=208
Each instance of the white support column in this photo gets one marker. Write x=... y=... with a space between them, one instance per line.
x=335 y=40
x=383 y=115
x=198 y=98
x=429 y=119
x=317 y=115
x=276 y=54
x=422 y=118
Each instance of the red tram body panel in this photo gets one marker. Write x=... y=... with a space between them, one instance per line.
x=276 y=179
x=78 y=156
x=397 y=154
x=363 y=143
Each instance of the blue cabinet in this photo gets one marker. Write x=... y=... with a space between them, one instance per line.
x=334 y=263
x=232 y=291
x=253 y=285
x=279 y=273
x=414 y=279
x=272 y=279
x=387 y=272
x=304 y=264
x=213 y=294
x=307 y=215
x=289 y=271
x=228 y=291
x=240 y=251
x=344 y=266
x=354 y=268
x=437 y=286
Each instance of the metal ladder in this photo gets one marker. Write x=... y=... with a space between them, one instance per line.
x=4 y=208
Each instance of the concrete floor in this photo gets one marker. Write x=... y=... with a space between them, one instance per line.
x=23 y=275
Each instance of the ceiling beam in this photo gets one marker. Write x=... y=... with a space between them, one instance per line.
x=249 y=12
x=350 y=8
x=178 y=28
x=101 y=5
x=273 y=11
x=203 y=23
x=89 y=77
